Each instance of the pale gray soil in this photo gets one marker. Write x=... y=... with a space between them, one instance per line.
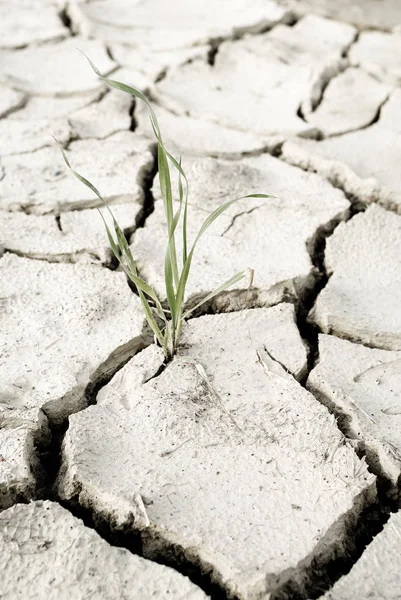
x=264 y=460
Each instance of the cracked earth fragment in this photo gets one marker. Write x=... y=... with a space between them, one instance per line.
x=226 y=445
x=365 y=164
x=272 y=236
x=364 y=386
x=10 y=100
x=385 y=14
x=76 y=236
x=351 y=101
x=376 y=575
x=39 y=182
x=192 y=136
x=179 y=24
x=257 y=84
x=362 y=300
x=66 y=118
x=141 y=68
x=379 y=53
x=55 y=107
x=103 y=118
x=21 y=135
x=17 y=455
x=29 y=22
x=40 y=302
x=64 y=328
x=60 y=74
x=47 y=553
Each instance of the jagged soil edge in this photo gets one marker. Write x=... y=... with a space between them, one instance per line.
x=214 y=43
x=142 y=543
x=366 y=520
x=337 y=552
x=48 y=443
x=49 y=458
x=23 y=491
x=43 y=441
x=333 y=556
x=389 y=491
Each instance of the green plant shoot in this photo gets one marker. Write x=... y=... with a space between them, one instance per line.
x=166 y=324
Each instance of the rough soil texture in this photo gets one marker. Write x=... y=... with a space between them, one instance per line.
x=264 y=460
x=42 y=368
x=385 y=14
x=48 y=553
x=363 y=163
x=272 y=75
x=364 y=386
x=38 y=182
x=362 y=300
x=376 y=575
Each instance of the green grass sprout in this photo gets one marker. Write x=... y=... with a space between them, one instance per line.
x=166 y=323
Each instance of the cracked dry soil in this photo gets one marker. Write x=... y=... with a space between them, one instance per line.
x=264 y=461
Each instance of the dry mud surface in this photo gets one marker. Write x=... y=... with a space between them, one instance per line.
x=264 y=460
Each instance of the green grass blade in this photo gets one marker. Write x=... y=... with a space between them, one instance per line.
x=132 y=271
x=134 y=92
x=142 y=286
x=227 y=284
x=121 y=248
x=222 y=208
x=206 y=224
x=184 y=222
x=112 y=243
x=152 y=322
x=177 y=216
x=116 y=84
x=166 y=192
x=122 y=242
x=172 y=224
x=83 y=180
x=170 y=293
x=124 y=247
x=77 y=175
x=183 y=283
x=67 y=162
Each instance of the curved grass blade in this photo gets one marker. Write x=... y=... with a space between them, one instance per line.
x=220 y=209
x=153 y=325
x=77 y=175
x=134 y=92
x=167 y=195
x=143 y=288
x=206 y=224
x=122 y=249
x=156 y=129
x=184 y=222
x=224 y=286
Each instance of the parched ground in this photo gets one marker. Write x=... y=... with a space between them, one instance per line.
x=264 y=460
